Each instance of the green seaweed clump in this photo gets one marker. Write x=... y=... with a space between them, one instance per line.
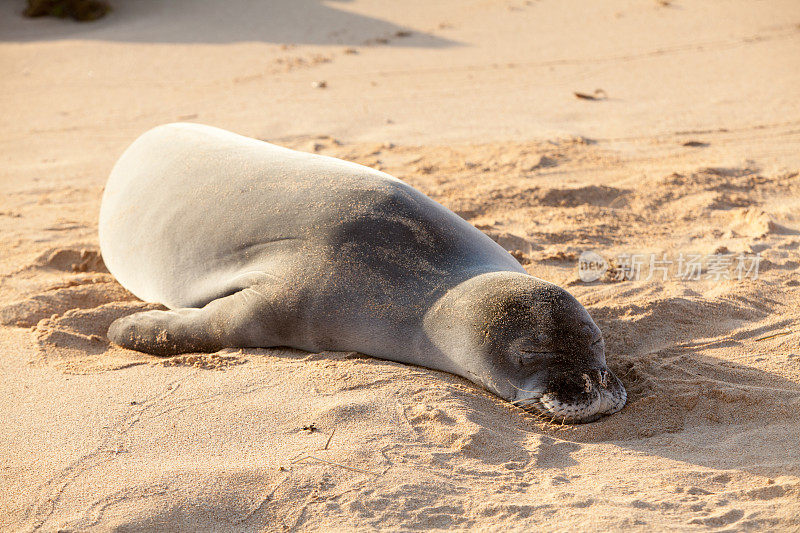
x=83 y=10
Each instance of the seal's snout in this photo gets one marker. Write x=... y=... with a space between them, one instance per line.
x=574 y=398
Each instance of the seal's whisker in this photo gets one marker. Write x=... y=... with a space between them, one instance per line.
x=534 y=408
x=523 y=400
x=539 y=416
x=542 y=417
x=523 y=390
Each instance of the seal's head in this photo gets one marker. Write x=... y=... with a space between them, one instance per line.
x=531 y=343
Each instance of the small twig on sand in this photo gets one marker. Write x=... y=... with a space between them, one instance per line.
x=329 y=439
x=779 y=334
x=354 y=469
x=599 y=94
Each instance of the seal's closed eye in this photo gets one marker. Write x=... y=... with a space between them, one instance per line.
x=526 y=351
x=525 y=344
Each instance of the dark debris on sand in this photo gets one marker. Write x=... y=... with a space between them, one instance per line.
x=81 y=10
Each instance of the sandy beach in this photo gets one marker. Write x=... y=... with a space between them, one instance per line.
x=678 y=165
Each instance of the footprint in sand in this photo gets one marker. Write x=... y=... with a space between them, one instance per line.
x=91 y=286
x=78 y=294
x=757 y=224
x=597 y=195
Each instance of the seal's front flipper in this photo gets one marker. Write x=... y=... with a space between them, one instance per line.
x=235 y=321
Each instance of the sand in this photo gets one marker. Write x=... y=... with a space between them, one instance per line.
x=693 y=149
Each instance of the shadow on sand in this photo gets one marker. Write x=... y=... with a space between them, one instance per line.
x=171 y=21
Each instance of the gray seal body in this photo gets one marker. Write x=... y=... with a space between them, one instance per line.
x=254 y=245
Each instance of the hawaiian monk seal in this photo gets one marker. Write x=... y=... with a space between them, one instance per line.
x=254 y=245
